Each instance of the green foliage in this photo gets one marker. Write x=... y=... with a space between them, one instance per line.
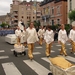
x=28 y=23
x=67 y=27
x=36 y=23
x=54 y=27
x=72 y=15
x=3 y=25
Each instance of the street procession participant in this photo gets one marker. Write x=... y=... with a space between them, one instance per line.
x=62 y=38
x=40 y=35
x=21 y=25
x=18 y=34
x=24 y=33
x=72 y=37
x=49 y=38
x=31 y=39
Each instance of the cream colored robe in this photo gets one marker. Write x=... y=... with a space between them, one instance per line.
x=62 y=36
x=31 y=35
x=49 y=36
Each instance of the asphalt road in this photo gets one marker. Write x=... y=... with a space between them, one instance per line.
x=22 y=65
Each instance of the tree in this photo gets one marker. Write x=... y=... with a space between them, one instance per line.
x=3 y=25
x=36 y=23
x=72 y=15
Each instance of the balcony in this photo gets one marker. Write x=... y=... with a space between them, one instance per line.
x=45 y=17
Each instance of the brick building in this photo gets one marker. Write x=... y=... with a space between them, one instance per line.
x=53 y=12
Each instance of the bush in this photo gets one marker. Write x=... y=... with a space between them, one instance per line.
x=3 y=25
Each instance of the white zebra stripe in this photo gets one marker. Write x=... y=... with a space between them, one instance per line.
x=68 y=44
x=2 y=51
x=70 y=58
x=10 y=69
x=46 y=59
x=58 y=45
x=52 y=51
x=39 y=69
x=4 y=57
x=36 y=53
x=12 y=49
x=39 y=47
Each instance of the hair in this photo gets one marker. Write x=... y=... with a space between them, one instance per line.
x=49 y=27
x=73 y=23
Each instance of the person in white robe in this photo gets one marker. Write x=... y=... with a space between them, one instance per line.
x=49 y=38
x=21 y=25
x=72 y=37
x=40 y=35
x=31 y=39
x=24 y=34
x=18 y=34
x=62 y=38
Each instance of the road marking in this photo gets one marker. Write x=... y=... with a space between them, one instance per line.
x=59 y=49
x=10 y=69
x=58 y=45
x=4 y=57
x=12 y=49
x=36 y=53
x=39 y=69
x=2 y=51
x=39 y=47
x=70 y=58
x=52 y=51
x=70 y=48
x=26 y=48
x=46 y=59
x=68 y=44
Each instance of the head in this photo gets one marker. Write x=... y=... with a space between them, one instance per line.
x=62 y=26
x=41 y=27
x=73 y=25
x=31 y=25
x=49 y=28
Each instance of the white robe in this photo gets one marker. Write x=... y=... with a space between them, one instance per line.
x=72 y=35
x=49 y=36
x=20 y=25
x=24 y=34
x=62 y=36
x=18 y=33
x=31 y=35
x=40 y=33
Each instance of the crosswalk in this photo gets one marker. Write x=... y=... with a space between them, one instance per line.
x=10 y=68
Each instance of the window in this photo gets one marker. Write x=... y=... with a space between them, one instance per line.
x=33 y=17
x=58 y=9
x=44 y=10
x=52 y=22
x=52 y=11
x=70 y=5
x=22 y=9
x=22 y=17
x=58 y=21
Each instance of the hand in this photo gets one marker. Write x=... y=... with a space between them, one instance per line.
x=37 y=41
x=59 y=42
x=69 y=40
x=44 y=41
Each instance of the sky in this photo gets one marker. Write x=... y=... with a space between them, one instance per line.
x=5 y=6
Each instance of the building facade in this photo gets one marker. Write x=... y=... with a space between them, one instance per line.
x=53 y=12
x=5 y=19
x=71 y=6
x=28 y=11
